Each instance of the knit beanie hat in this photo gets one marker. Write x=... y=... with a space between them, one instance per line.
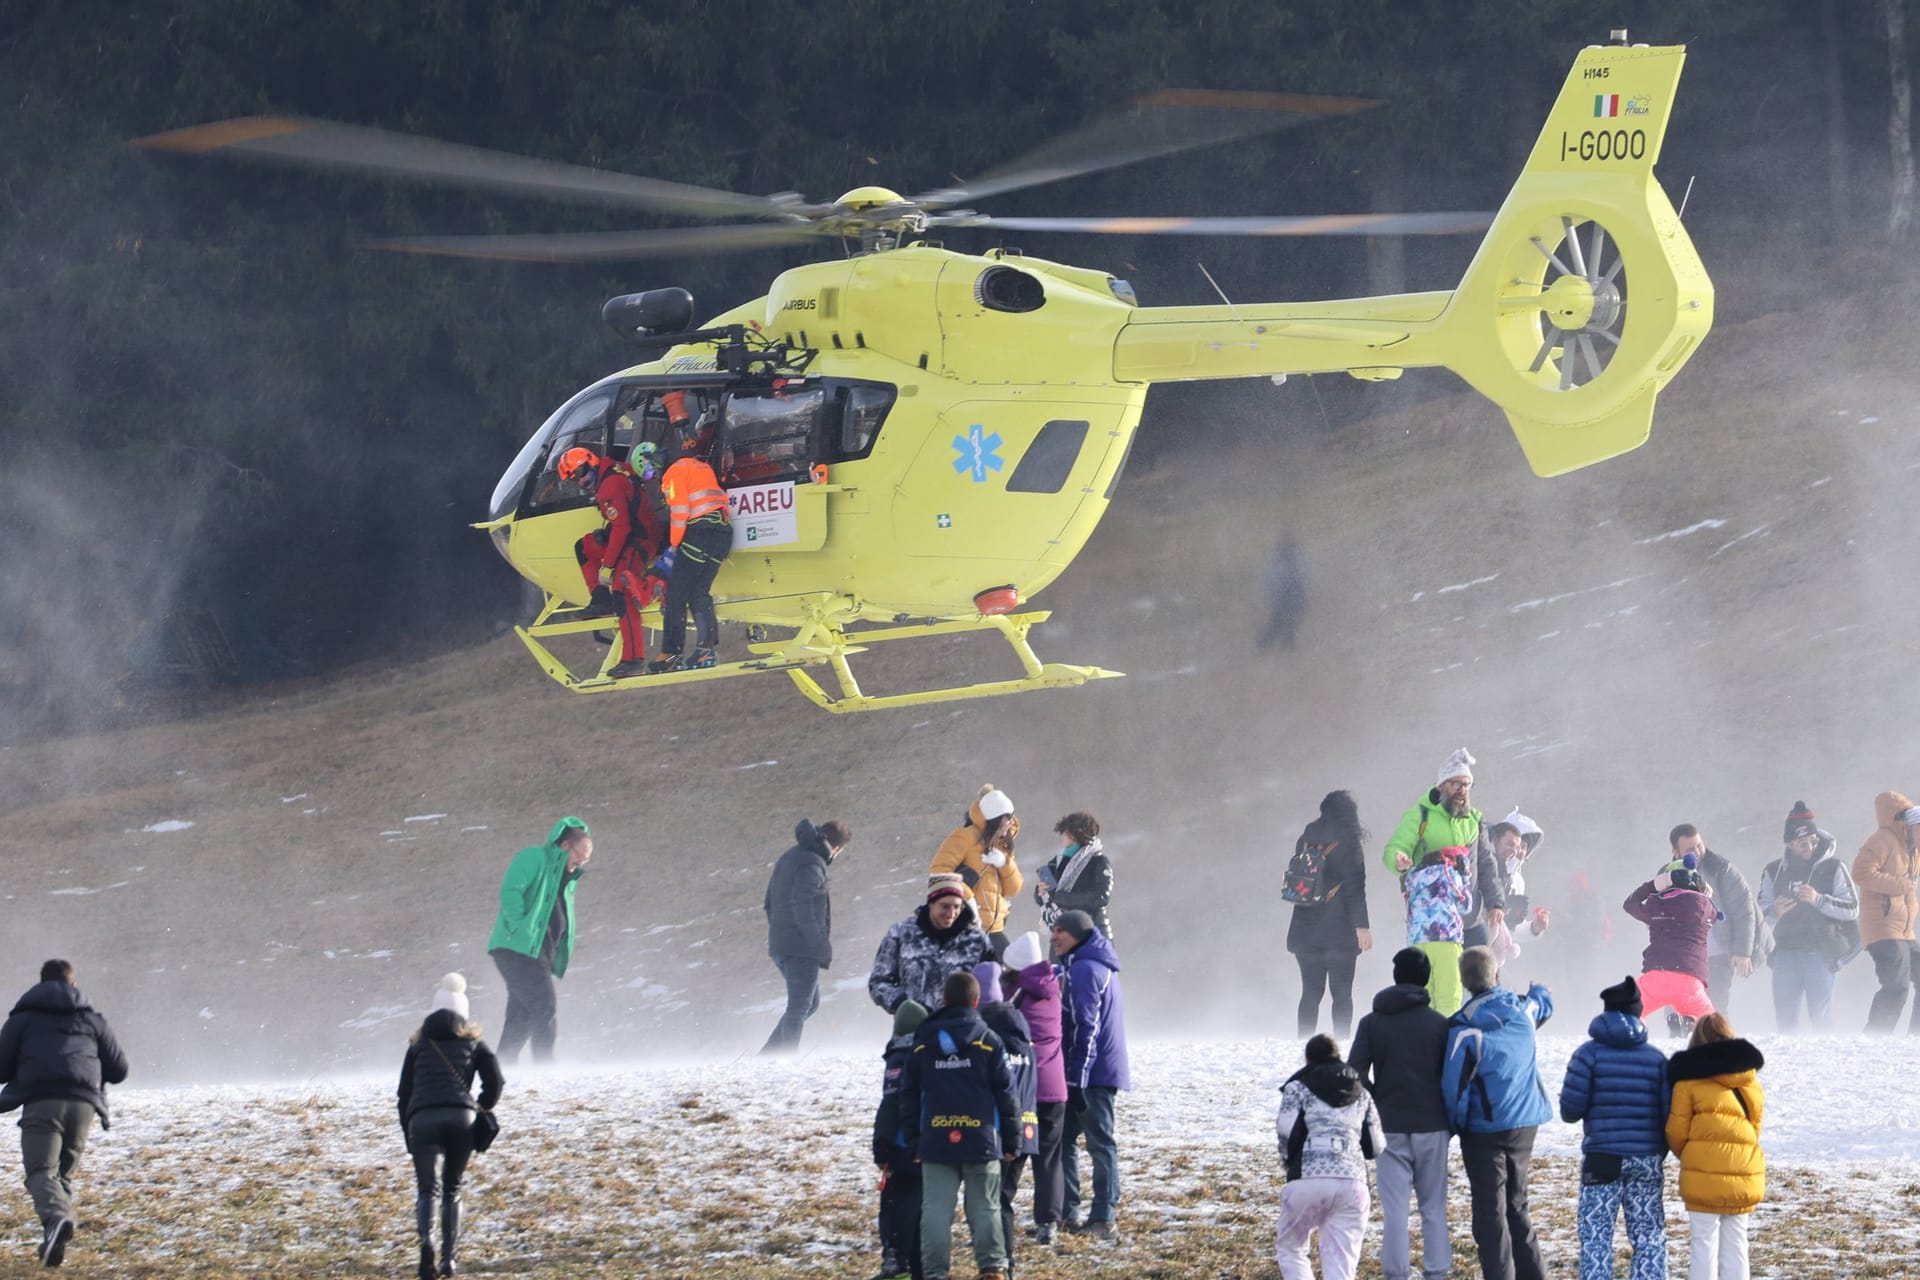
x=1076 y=924
x=1024 y=952
x=947 y=882
x=1799 y=823
x=908 y=1017
x=451 y=994
x=987 y=974
x=1411 y=967
x=1458 y=765
x=1623 y=997
x=994 y=802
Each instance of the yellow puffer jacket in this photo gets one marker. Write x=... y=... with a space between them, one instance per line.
x=1884 y=871
x=1714 y=1126
x=965 y=852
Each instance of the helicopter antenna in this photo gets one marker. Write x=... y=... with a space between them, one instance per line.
x=1686 y=195
x=1217 y=289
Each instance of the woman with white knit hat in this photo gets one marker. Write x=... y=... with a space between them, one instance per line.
x=437 y=1113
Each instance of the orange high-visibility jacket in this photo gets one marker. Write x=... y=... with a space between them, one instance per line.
x=692 y=491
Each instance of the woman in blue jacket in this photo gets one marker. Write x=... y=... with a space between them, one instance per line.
x=1616 y=1086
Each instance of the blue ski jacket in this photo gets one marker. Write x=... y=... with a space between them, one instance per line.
x=1617 y=1085
x=1491 y=1079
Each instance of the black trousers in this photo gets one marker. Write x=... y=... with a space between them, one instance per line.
x=690 y=586
x=1497 y=1166
x=440 y=1139
x=1049 y=1164
x=1896 y=962
x=1009 y=1185
x=1326 y=971
x=900 y=1214
x=532 y=1006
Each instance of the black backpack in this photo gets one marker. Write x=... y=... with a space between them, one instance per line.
x=1306 y=883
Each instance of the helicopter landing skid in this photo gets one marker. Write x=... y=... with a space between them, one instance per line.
x=820 y=643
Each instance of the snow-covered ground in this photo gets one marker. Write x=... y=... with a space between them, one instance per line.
x=760 y=1167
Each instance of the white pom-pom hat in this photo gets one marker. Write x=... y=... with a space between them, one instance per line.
x=451 y=994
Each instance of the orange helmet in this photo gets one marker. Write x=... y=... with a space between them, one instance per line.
x=577 y=460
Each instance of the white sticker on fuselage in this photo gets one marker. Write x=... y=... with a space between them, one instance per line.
x=763 y=515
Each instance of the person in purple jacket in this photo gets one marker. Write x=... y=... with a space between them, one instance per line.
x=1094 y=1032
x=1678 y=910
x=1036 y=993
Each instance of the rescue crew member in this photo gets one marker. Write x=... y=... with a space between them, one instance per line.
x=701 y=538
x=613 y=560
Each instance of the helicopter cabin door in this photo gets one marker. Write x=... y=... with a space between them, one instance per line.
x=1006 y=480
x=770 y=441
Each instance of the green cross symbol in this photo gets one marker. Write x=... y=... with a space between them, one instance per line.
x=943 y=520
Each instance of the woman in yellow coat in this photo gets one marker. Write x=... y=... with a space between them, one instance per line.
x=1713 y=1125
x=981 y=854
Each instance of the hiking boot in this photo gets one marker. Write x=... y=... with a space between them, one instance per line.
x=1100 y=1229
x=1043 y=1234
x=891 y=1268
x=1073 y=1224
x=631 y=667
x=666 y=662
x=702 y=657
x=600 y=605
x=53 y=1245
x=426 y=1262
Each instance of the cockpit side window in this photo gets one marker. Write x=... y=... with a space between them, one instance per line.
x=586 y=423
x=863 y=408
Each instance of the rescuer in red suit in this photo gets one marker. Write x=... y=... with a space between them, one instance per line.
x=613 y=560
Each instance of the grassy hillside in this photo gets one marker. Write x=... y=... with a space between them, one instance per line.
x=1706 y=630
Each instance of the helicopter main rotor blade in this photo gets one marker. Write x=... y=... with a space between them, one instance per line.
x=1159 y=124
x=602 y=246
x=1328 y=224
x=322 y=144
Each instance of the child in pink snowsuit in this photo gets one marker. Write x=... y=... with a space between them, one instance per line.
x=1679 y=913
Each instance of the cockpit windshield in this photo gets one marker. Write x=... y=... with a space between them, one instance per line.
x=577 y=421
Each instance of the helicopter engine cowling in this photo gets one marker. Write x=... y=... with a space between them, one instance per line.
x=655 y=311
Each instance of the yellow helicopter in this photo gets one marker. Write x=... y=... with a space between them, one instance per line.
x=916 y=441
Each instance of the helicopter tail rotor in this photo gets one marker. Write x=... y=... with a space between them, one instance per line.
x=1586 y=295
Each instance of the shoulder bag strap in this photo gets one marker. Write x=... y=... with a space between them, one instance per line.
x=464 y=1084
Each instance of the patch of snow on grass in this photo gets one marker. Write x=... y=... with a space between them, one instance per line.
x=164 y=825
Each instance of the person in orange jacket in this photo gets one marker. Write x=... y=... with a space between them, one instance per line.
x=1886 y=871
x=980 y=852
x=614 y=559
x=701 y=538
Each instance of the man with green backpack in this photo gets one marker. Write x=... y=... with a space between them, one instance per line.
x=532 y=938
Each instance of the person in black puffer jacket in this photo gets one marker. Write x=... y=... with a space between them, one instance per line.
x=57 y=1057
x=1398 y=1052
x=437 y=1110
x=1327 y=937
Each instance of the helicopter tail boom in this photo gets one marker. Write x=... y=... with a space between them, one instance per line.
x=1584 y=298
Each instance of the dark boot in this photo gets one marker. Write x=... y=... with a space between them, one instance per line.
x=600 y=605
x=423 y=1220
x=449 y=1234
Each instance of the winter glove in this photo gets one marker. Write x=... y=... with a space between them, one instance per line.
x=995 y=858
x=606 y=576
x=1663 y=882
x=1076 y=1100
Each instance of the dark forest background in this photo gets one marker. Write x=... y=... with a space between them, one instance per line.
x=237 y=447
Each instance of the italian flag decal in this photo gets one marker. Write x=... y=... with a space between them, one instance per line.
x=1606 y=104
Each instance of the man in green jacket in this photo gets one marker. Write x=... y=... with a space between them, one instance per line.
x=1444 y=819
x=533 y=937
